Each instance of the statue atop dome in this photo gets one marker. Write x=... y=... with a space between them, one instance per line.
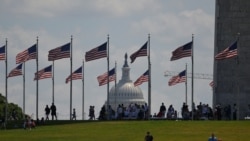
x=126 y=60
x=125 y=70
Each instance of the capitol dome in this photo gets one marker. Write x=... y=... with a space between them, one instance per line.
x=124 y=92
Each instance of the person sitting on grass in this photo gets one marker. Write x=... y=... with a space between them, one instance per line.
x=212 y=137
x=29 y=123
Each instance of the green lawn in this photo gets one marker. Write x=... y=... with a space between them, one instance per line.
x=162 y=130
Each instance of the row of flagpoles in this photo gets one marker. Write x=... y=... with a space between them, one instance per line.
x=229 y=52
x=65 y=51
x=181 y=52
x=187 y=51
x=102 y=51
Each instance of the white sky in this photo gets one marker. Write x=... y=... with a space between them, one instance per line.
x=170 y=24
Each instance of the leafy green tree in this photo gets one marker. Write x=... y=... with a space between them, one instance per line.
x=10 y=109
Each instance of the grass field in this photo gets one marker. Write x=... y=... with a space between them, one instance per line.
x=162 y=130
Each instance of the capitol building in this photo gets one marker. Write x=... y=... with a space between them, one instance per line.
x=124 y=92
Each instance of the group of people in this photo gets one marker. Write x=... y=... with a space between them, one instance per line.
x=136 y=111
x=200 y=112
x=204 y=111
x=29 y=123
x=52 y=110
x=132 y=111
x=169 y=113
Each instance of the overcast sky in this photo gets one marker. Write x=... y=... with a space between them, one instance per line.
x=170 y=24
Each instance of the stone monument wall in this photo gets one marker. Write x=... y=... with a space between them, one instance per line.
x=232 y=76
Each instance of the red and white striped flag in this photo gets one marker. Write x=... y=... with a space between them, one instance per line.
x=75 y=75
x=28 y=54
x=142 y=78
x=229 y=52
x=181 y=77
x=59 y=52
x=141 y=52
x=2 y=53
x=211 y=84
x=96 y=53
x=102 y=79
x=44 y=73
x=16 y=71
x=183 y=51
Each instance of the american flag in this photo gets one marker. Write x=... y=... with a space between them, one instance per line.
x=181 y=77
x=183 y=51
x=211 y=84
x=229 y=52
x=2 y=53
x=28 y=54
x=141 y=52
x=102 y=79
x=142 y=78
x=75 y=75
x=44 y=73
x=59 y=52
x=96 y=53
x=16 y=71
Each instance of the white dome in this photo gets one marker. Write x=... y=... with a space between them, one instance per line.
x=126 y=93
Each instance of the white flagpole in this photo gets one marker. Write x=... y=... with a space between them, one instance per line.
x=6 y=82
x=192 y=77
x=83 y=90
x=108 y=77
x=71 y=78
x=53 y=82
x=238 y=83
x=186 y=86
x=24 y=90
x=149 y=79
x=115 y=84
x=37 y=78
